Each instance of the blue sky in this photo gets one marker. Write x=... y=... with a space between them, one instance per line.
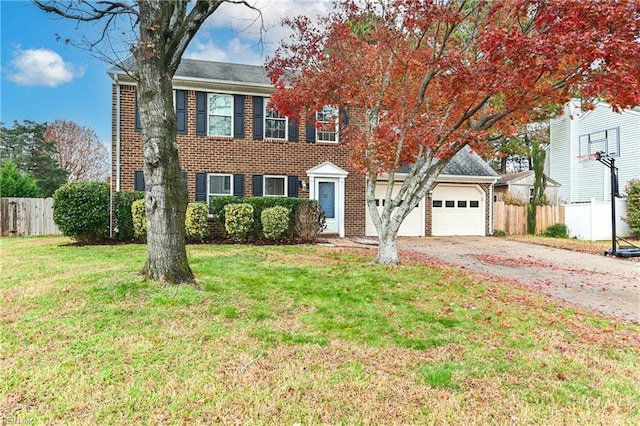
x=42 y=79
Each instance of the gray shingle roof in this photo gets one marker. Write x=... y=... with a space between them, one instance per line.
x=219 y=71
x=213 y=71
x=464 y=163
x=468 y=163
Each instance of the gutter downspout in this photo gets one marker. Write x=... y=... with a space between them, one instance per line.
x=117 y=133
x=114 y=77
x=491 y=230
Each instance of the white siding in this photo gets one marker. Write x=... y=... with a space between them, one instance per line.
x=582 y=181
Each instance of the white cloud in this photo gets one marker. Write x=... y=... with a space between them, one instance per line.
x=235 y=50
x=41 y=67
x=250 y=42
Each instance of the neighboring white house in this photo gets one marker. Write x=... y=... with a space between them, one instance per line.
x=579 y=132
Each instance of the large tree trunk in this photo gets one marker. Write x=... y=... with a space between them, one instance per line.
x=388 y=249
x=166 y=191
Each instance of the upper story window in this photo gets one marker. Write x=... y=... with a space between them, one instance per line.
x=327 y=124
x=275 y=124
x=220 y=115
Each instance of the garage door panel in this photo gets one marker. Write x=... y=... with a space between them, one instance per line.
x=412 y=226
x=457 y=210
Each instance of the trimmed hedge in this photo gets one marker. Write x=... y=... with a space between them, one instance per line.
x=275 y=222
x=139 y=219
x=122 y=201
x=217 y=205
x=197 y=223
x=81 y=210
x=238 y=220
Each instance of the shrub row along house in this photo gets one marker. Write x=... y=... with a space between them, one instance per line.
x=231 y=143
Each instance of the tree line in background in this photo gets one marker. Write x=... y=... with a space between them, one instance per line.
x=37 y=158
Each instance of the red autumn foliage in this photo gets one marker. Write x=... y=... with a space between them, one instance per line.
x=427 y=78
x=440 y=75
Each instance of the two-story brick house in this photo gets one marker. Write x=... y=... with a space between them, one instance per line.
x=230 y=143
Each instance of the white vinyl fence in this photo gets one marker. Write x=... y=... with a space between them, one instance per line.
x=592 y=221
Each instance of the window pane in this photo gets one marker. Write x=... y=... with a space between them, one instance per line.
x=219 y=126
x=275 y=128
x=327 y=121
x=220 y=114
x=219 y=185
x=274 y=186
x=220 y=104
x=474 y=204
x=437 y=203
x=273 y=113
x=449 y=204
x=462 y=204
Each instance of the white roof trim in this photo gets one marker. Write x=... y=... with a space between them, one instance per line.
x=467 y=179
x=447 y=178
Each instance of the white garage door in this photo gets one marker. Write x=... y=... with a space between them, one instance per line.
x=413 y=225
x=457 y=210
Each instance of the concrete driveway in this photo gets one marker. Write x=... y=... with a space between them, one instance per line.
x=608 y=285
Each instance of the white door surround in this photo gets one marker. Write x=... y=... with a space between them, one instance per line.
x=323 y=180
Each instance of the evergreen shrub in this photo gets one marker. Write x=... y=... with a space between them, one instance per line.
x=275 y=222
x=81 y=211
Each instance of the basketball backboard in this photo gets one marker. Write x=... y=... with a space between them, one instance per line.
x=606 y=142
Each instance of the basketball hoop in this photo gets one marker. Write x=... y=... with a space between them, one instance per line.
x=589 y=157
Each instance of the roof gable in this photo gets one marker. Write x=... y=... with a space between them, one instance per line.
x=468 y=163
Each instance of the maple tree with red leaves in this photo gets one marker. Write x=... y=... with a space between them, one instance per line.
x=423 y=79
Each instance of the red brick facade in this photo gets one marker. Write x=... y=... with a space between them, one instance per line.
x=207 y=154
x=238 y=156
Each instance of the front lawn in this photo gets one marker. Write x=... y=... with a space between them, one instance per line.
x=296 y=334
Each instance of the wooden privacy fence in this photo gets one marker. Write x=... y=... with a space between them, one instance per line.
x=513 y=219
x=27 y=216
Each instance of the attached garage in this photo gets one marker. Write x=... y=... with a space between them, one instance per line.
x=459 y=203
x=458 y=210
x=413 y=225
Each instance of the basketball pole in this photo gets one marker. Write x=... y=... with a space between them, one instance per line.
x=610 y=163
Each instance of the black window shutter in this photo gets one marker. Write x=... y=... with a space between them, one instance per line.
x=238 y=185
x=201 y=113
x=292 y=186
x=138 y=123
x=311 y=131
x=184 y=177
x=138 y=180
x=257 y=186
x=258 y=118
x=201 y=187
x=238 y=116
x=345 y=117
x=181 y=111
x=293 y=130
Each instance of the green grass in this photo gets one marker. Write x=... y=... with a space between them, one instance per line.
x=284 y=335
